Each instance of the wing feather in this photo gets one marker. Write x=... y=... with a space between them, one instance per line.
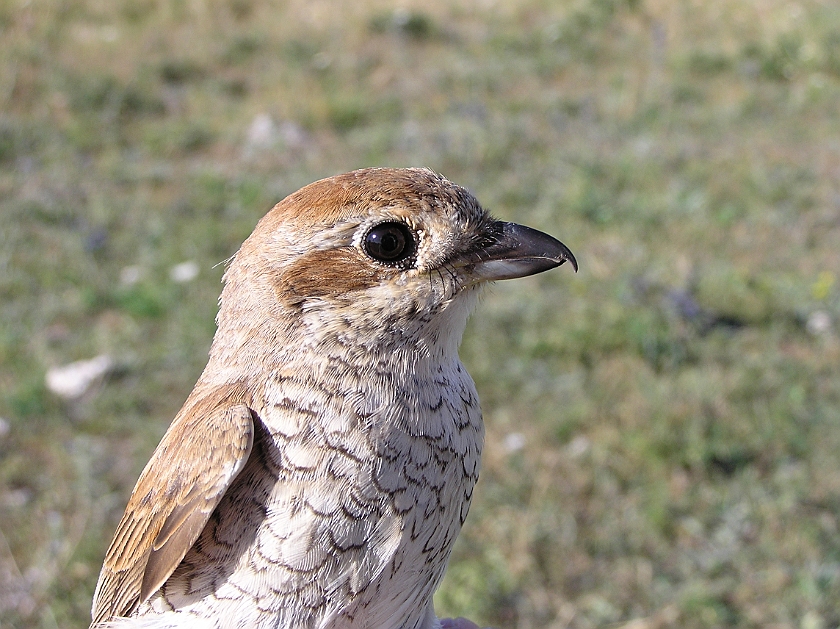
x=204 y=449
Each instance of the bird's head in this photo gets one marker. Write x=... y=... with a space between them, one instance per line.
x=375 y=254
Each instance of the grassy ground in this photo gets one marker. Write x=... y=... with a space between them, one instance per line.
x=663 y=428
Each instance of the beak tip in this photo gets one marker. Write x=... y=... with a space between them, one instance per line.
x=566 y=255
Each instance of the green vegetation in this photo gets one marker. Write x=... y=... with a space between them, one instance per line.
x=663 y=428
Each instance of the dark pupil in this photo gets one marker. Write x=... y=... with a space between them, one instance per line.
x=392 y=244
x=388 y=242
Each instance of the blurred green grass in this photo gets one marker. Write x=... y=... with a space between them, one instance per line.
x=663 y=428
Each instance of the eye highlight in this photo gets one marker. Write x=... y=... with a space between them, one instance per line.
x=391 y=243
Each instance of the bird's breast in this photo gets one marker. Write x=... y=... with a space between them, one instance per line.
x=348 y=508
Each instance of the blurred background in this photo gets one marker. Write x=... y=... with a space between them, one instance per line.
x=663 y=441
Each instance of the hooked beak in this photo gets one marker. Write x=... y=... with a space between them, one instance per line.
x=517 y=251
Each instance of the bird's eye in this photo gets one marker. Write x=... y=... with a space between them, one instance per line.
x=391 y=243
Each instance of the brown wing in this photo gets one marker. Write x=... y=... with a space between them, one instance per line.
x=204 y=449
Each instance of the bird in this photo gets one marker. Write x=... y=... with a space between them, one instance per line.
x=322 y=467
